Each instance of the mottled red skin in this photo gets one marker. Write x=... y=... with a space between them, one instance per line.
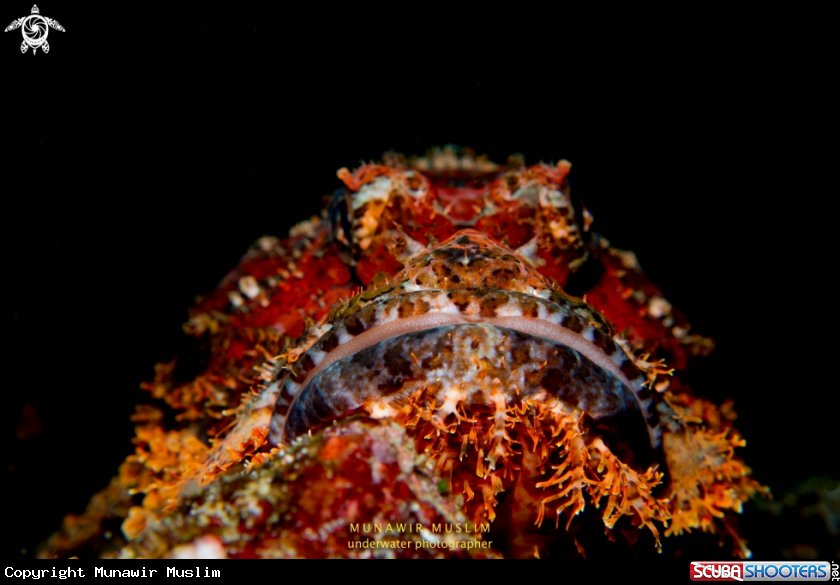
x=609 y=295
x=339 y=483
x=513 y=225
x=358 y=473
x=292 y=299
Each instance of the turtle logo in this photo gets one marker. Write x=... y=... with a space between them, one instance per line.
x=35 y=29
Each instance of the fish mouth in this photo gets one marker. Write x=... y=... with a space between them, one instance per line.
x=527 y=346
x=432 y=320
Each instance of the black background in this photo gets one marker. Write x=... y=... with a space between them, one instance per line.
x=152 y=145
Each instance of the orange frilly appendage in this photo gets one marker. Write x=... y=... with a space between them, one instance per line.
x=707 y=479
x=165 y=459
x=479 y=454
x=565 y=466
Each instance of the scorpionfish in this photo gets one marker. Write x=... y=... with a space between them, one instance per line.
x=415 y=355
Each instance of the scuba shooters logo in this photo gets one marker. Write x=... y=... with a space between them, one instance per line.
x=35 y=29
x=761 y=571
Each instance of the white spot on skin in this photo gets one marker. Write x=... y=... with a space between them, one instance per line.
x=509 y=310
x=558 y=230
x=382 y=410
x=658 y=307
x=552 y=198
x=379 y=190
x=308 y=228
x=446 y=307
x=236 y=299
x=249 y=286
x=316 y=355
x=628 y=259
x=205 y=547
x=268 y=243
